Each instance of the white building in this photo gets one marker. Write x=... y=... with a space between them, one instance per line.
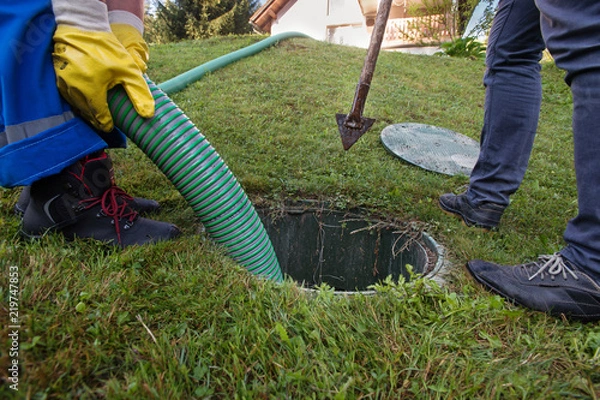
x=350 y=22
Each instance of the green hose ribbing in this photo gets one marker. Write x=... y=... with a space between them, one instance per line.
x=180 y=82
x=186 y=158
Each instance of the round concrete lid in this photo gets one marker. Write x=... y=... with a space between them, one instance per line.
x=431 y=148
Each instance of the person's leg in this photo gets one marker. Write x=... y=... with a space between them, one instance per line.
x=572 y=33
x=567 y=283
x=512 y=102
x=512 y=106
x=44 y=144
x=582 y=234
x=41 y=134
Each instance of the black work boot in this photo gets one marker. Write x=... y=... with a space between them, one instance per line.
x=82 y=201
x=486 y=215
x=139 y=204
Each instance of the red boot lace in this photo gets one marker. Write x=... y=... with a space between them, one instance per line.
x=114 y=203
x=102 y=155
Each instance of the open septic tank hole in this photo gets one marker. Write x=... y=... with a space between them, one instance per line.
x=347 y=250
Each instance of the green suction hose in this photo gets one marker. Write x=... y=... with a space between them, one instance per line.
x=186 y=158
x=180 y=82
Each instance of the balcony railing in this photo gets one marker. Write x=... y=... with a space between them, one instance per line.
x=430 y=29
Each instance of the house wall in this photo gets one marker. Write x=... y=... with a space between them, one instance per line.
x=337 y=21
x=343 y=22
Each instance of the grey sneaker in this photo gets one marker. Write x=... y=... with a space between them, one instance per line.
x=486 y=215
x=552 y=284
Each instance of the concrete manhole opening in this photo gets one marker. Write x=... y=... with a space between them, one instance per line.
x=347 y=250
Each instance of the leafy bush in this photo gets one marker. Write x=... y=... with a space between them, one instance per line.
x=467 y=47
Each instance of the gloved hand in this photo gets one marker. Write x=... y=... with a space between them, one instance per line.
x=89 y=61
x=129 y=28
x=134 y=42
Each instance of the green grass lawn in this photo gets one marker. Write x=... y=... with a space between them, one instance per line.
x=182 y=320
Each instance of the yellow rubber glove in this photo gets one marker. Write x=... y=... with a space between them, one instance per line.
x=133 y=41
x=90 y=63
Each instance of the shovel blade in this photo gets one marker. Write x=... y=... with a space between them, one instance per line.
x=351 y=131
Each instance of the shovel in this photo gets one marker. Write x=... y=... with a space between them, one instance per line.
x=354 y=125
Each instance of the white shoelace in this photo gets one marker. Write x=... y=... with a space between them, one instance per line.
x=553 y=265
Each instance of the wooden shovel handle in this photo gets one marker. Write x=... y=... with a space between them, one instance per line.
x=371 y=60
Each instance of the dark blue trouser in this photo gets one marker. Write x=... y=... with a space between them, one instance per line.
x=512 y=102
x=571 y=31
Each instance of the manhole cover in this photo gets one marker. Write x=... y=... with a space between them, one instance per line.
x=431 y=148
x=347 y=250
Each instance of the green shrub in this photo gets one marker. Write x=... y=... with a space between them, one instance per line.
x=467 y=47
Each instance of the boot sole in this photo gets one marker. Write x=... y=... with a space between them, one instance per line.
x=464 y=221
